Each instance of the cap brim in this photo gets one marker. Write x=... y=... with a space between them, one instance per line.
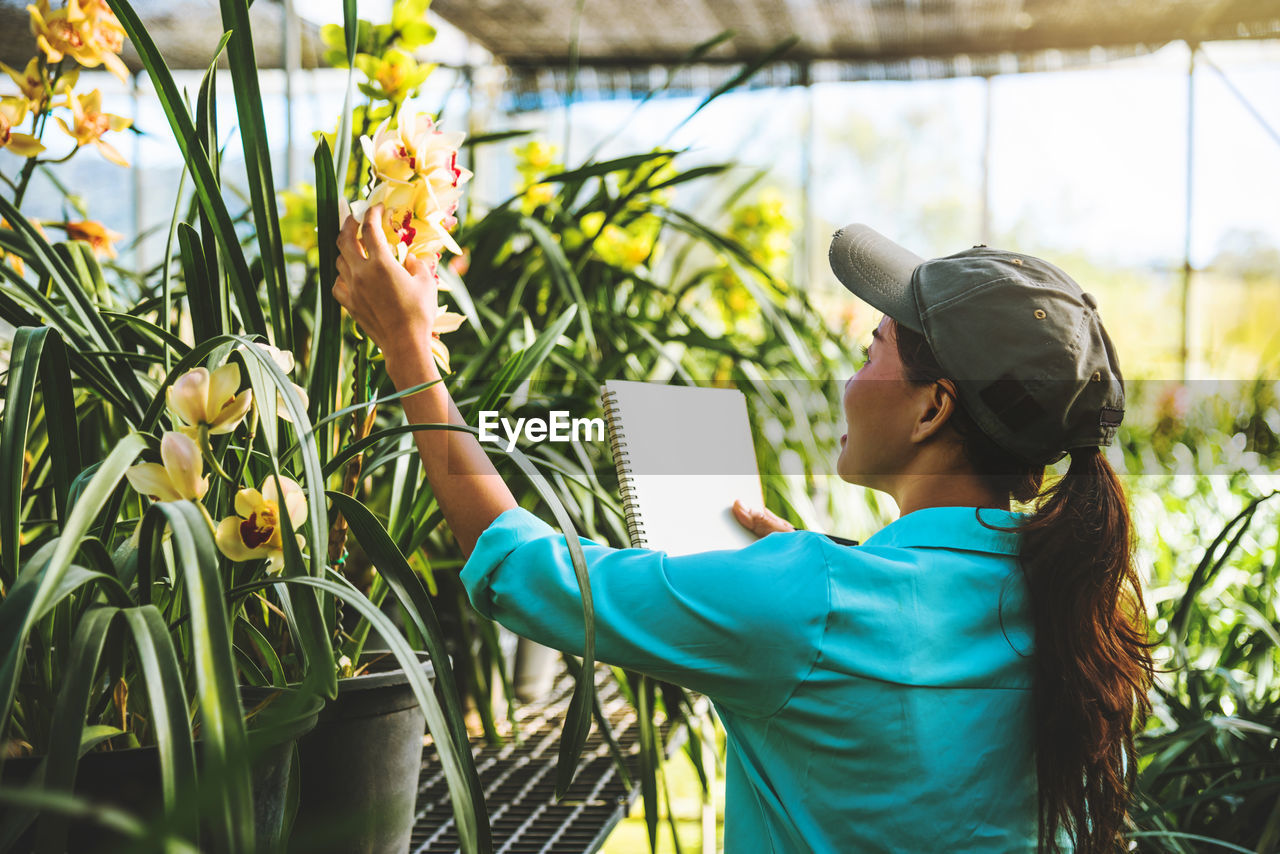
x=878 y=271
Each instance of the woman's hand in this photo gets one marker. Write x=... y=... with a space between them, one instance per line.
x=395 y=305
x=760 y=522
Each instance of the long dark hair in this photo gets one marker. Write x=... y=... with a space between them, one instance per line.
x=1093 y=663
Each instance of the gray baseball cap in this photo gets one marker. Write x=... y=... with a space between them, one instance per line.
x=1031 y=361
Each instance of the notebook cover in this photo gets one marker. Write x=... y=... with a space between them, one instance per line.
x=684 y=454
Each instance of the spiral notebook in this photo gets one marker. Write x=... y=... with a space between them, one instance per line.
x=684 y=454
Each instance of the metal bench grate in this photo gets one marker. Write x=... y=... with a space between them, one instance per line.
x=519 y=782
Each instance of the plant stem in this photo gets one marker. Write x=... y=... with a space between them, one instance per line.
x=206 y=450
x=361 y=426
x=37 y=130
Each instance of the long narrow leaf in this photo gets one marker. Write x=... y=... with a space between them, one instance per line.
x=17 y=612
x=224 y=744
x=207 y=190
x=37 y=352
x=350 y=26
x=257 y=159
x=468 y=814
x=206 y=319
x=167 y=701
x=78 y=685
x=326 y=350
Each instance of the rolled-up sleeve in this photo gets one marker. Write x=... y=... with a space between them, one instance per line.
x=742 y=626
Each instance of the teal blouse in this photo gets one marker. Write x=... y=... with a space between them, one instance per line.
x=875 y=697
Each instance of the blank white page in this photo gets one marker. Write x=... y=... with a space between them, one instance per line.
x=687 y=453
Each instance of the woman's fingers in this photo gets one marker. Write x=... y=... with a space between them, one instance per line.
x=760 y=522
x=348 y=245
x=372 y=236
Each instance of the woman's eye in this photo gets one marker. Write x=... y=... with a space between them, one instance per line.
x=866 y=354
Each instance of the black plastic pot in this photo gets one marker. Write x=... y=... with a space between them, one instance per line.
x=360 y=767
x=130 y=779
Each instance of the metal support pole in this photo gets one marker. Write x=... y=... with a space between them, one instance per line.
x=985 y=224
x=473 y=129
x=139 y=187
x=1185 y=350
x=802 y=268
x=292 y=60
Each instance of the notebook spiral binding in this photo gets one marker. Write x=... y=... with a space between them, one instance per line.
x=621 y=459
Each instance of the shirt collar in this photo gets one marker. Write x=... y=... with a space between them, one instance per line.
x=951 y=528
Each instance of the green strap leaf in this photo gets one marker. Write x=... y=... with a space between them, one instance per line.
x=38 y=352
x=35 y=589
x=167 y=699
x=206 y=319
x=350 y=28
x=207 y=190
x=224 y=744
x=78 y=685
x=407 y=586
x=257 y=159
x=469 y=814
x=326 y=343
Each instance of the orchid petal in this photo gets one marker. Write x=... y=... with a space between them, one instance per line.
x=184 y=465
x=227 y=537
x=232 y=414
x=247 y=501
x=152 y=480
x=188 y=397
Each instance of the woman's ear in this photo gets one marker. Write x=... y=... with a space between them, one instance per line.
x=937 y=402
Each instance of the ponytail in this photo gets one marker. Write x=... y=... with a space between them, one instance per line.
x=1093 y=663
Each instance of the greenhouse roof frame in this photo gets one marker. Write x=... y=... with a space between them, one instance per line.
x=619 y=43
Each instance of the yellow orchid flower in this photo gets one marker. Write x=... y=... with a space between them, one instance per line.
x=199 y=397
x=446 y=321
x=406 y=230
x=87 y=31
x=255 y=531
x=178 y=478
x=14 y=260
x=89 y=123
x=12 y=112
x=33 y=82
x=11 y=259
x=98 y=236
x=393 y=75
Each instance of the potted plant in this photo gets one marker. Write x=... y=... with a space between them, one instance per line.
x=213 y=571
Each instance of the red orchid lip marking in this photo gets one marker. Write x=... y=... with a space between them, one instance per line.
x=251 y=534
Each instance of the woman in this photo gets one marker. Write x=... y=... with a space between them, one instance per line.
x=968 y=678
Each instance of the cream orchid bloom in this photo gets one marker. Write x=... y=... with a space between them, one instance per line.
x=255 y=531
x=199 y=397
x=417 y=179
x=446 y=321
x=178 y=478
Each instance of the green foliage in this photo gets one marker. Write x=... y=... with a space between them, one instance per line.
x=1205 y=505
x=106 y=594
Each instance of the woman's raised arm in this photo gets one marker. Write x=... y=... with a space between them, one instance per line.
x=396 y=306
